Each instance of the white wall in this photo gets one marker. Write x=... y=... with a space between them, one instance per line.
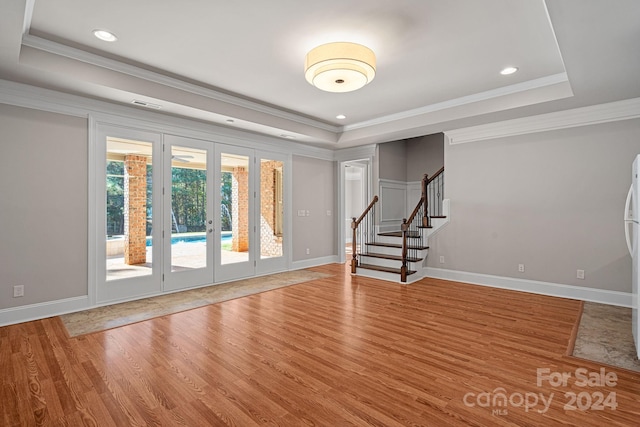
x=550 y=200
x=43 y=206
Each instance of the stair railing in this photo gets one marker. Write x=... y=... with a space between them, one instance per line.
x=366 y=232
x=434 y=193
x=411 y=231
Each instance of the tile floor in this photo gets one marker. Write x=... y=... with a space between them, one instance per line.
x=604 y=335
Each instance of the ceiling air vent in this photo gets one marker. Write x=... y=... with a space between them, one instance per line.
x=146 y=104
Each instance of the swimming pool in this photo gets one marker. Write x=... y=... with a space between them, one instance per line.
x=225 y=237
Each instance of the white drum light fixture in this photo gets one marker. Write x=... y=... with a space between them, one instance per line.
x=340 y=67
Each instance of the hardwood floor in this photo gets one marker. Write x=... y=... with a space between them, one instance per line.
x=331 y=352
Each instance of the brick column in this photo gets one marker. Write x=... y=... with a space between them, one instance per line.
x=135 y=209
x=240 y=209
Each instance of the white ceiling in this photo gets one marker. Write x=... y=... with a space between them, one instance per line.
x=438 y=61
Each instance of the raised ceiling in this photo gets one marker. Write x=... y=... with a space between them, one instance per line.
x=240 y=64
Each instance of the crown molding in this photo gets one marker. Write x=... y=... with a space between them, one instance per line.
x=151 y=76
x=26 y=96
x=583 y=116
x=541 y=82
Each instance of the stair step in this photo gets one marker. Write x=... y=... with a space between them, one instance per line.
x=422 y=226
x=386 y=269
x=393 y=257
x=399 y=234
x=437 y=216
x=396 y=245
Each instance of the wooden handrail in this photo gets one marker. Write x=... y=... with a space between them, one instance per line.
x=366 y=211
x=440 y=172
x=413 y=214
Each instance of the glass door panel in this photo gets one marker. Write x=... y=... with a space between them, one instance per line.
x=271 y=214
x=129 y=209
x=236 y=203
x=188 y=228
x=127 y=249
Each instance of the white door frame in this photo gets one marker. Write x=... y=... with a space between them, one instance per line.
x=272 y=265
x=130 y=287
x=366 y=162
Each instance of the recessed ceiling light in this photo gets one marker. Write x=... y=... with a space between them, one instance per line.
x=341 y=117
x=508 y=70
x=230 y=121
x=287 y=136
x=105 y=35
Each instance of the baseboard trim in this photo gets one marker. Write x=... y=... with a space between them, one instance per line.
x=314 y=262
x=27 y=313
x=601 y=296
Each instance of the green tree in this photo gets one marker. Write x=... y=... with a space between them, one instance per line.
x=225 y=193
x=115 y=197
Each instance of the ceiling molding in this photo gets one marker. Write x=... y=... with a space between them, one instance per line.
x=470 y=99
x=584 y=116
x=151 y=76
x=26 y=96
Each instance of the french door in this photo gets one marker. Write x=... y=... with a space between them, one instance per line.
x=128 y=204
x=189 y=233
x=175 y=213
x=271 y=217
x=252 y=218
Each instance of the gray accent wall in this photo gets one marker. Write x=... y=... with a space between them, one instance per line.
x=43 y=206
x=314 y=184
x=392 y=161
x=425 y=154
x=550 y=200
x=408 y=160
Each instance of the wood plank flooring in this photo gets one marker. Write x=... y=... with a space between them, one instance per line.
x=336 y=351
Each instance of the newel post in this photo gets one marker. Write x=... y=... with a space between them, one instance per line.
x=354 y=255
x=403 y=269
x=425 y=210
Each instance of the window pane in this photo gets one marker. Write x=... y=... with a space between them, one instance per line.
x=271 y=208
x=234 y=188
x=188 y=208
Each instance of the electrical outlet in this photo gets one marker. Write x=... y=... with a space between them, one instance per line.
x=308 y=252
x=328 y=213
x=308 y=214
x=580 y=274
x=18 y=291
x=301 y=212
x=521 y=268
x=441 y=259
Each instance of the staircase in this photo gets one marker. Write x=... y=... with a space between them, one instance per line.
x=398 y=256
x=384 y=257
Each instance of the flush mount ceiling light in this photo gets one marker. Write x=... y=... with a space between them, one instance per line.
x=340 y=67
x=105 y=35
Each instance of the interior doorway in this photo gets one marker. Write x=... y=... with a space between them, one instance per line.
x=356 y=191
